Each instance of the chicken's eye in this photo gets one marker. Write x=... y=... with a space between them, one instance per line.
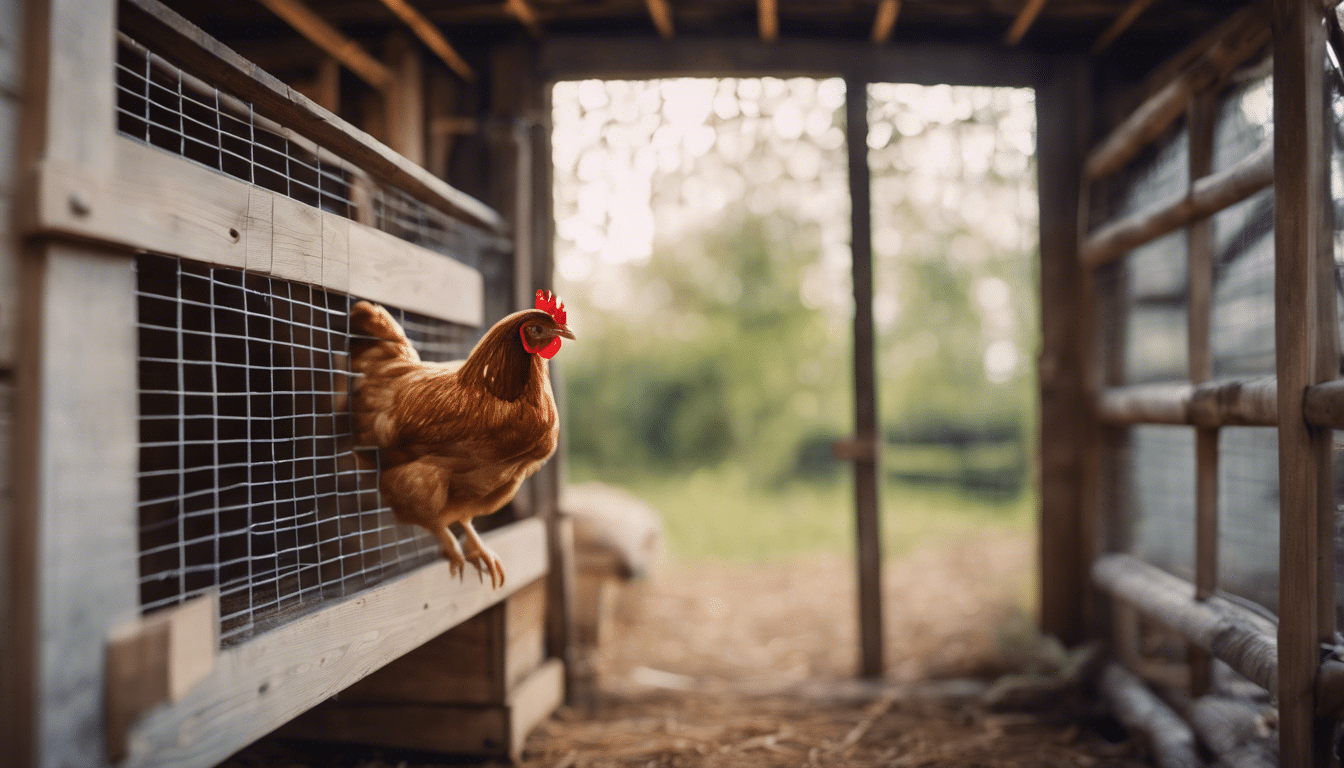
x=533 y=330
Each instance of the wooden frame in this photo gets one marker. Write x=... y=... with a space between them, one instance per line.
x=91 y=199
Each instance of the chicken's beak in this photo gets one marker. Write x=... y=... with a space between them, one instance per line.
x=564 y=331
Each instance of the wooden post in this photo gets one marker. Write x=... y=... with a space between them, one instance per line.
x=1199 y=262
x=405 y=106
x=866 y=504
x=1306 y=354
x=1066 y=417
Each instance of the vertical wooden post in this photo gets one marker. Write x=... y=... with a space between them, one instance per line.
x=866 y=504
x=405 y=99
x=1306 y=354
x=1067 y=418
x=1202 y=113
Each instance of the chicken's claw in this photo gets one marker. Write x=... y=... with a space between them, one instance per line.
x=457 y=564
x=486 y=562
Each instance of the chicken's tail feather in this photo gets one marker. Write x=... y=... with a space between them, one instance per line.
x=383 y=339
x=380 y=354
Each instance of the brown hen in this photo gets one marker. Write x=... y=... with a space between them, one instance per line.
x=456 y=440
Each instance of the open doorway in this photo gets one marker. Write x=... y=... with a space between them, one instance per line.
x=703 y=248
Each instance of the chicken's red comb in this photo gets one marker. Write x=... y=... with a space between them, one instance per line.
x=556 y=309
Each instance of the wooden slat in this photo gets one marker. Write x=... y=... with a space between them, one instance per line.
x=1126 y=19
x=1303 y=289
x=526 y=15
x=767 y=16
x=430 y=36
x=1206 y=197
x=176 y=37
x=1243 y=639
x=1236 y=402
x=660 y=11
x=1023 y=21
x=308 y=23
x=1067 y=421
x=866 y=503
x=275 y=676
x=884 y=21
x=159 y=202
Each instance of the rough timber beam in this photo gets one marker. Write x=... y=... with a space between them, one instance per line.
x=661 y=13
x=430 y=36
x=885 y=20
x=525 y=14
x=1118 y=27
x=767 y=12
x=1025 y=18
x=307 y=23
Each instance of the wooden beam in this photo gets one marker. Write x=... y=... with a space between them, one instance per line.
x=767 y=15
x=1307 y=354
x=1238 y=402
x=306 y=22
x=885 y=20
x=1118 y=27
x=866 y=502
x=404 y=101
x=1240 y=637
x=1206 y=197
x=430 y=36
x=661 y=13
x=1025 y=18
x=1141 y=712
x=526 y=15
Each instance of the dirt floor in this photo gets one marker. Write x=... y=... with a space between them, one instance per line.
x=750 y=665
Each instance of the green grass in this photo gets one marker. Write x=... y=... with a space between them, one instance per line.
x=721 y=514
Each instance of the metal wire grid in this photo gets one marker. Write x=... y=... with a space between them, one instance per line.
x=1248 y=513
x=248 y=481
x=163 y=106
x=1159 y=467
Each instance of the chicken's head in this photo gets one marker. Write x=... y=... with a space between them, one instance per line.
x=541 y=331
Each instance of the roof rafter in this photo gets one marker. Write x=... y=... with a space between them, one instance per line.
x=306 y=22
x=431 y=37
x=525 y=14
x=661 y=13
x=1025 y=18
x=1118 y=27
x=885 y=20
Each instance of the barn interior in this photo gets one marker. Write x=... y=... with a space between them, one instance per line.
x=1183 y=567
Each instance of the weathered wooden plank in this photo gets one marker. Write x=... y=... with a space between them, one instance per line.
x=296 y=241
x=1143 y=713
x=335 y=252
x=384 y=270
x=867 y=524
x=258 y=231
x=275 y=676
x=172 y=35
x=74 y=524
x=1206 y=197
x=1303 y=271
x=1066 y=420
x=1243 y=639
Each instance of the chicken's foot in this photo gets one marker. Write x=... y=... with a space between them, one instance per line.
x=457 y=564
x=482 y=557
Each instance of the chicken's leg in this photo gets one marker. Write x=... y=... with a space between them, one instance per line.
x=457 y=564
x=482 y=557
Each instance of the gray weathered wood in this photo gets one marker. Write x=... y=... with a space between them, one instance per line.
x=1170 y=740
x=1206 y=197
x=1226 y=403
x=1303 y=268
x=1243 y=639
x=866 y=502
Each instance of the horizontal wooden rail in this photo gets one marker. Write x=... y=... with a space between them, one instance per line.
x=1323 y=405
x=1243 y=639
x=1248 y=402
x=1206 y=197
x=275 y=676
x=160 y=202
x=170 y=35
x=1140 y=710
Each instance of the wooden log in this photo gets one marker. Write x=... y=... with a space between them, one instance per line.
x=1237 y=732
x=174 y=36
x=525 y=14
x=1206 y=197
x=1243 y=639
x=1305 y=352
x=306 y=22
x=1323 y=405
x=661 y=14
x=1126 y=19
x=884 y=21
x=1023 y=21
x=1170 y=740
x=1248 y=402
x=430 y=36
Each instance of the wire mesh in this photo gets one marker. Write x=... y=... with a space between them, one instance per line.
x=1160 y=496
x=1248 y=513
x=248 y=480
